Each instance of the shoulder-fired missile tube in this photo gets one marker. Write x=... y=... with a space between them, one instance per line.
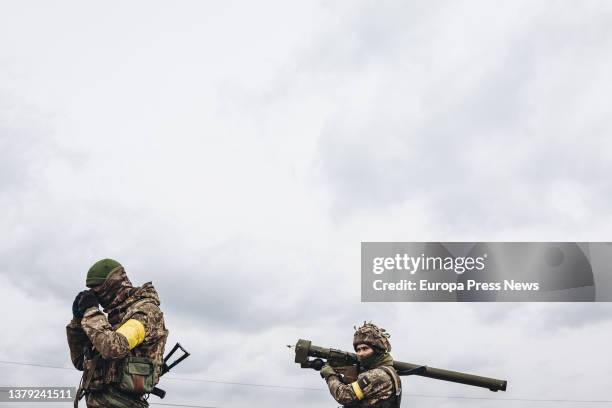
x=305 y=349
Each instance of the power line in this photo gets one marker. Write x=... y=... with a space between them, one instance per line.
x=319 y=389
x=290 y=387
x=287 y=387
x=35 y=365
x=180 y=378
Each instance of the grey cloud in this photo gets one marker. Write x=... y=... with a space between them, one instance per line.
x=22 y=144
x=470 y=108
x=573 y=316
x=478 y=122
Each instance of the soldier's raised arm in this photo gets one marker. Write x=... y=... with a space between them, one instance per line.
x=77 y=339
x=112 y=344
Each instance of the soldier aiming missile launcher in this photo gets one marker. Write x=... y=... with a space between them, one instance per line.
x=345 y=363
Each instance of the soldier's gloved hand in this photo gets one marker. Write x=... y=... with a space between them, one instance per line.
x=83 y=301
x=76 y=312
x=327 y=370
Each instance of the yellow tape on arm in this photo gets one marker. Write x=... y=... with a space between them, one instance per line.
x=133 y=331
x=358 y=391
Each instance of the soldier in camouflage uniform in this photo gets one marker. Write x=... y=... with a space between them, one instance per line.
x=378 y=384
x=121 y=355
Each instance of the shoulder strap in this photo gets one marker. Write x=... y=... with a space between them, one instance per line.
x=397 y=385
x=86 y=380
x=90 y=372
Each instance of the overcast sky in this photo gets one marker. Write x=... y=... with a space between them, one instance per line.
x=237 y=153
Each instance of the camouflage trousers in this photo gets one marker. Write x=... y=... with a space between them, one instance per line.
x=114 y=398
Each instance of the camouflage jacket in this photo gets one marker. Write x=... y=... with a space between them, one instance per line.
x=93 y=340
x=378 y=387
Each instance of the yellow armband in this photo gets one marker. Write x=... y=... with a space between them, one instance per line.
x=133 y=331
x=358 y=390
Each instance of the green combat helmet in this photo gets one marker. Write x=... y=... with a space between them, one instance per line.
x=99 y=271
x=372 y=335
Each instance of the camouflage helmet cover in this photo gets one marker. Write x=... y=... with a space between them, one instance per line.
x=372 y=335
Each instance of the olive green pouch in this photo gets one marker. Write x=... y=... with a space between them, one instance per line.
x=137 y=375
